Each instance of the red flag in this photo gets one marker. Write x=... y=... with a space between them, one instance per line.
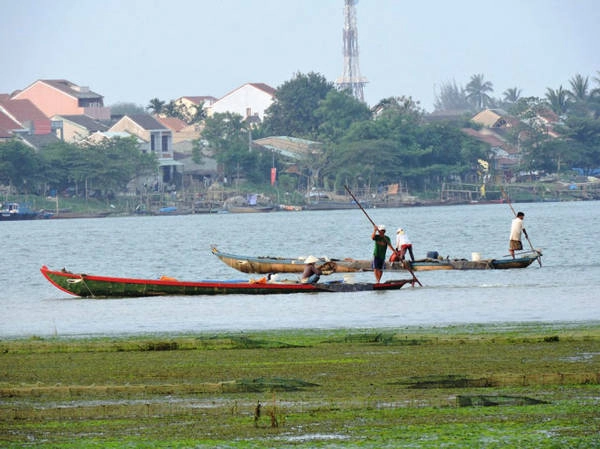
x=273 y=175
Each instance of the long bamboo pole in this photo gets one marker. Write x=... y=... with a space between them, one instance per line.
x=406 y=265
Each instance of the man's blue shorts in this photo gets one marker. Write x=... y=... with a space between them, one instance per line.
x=378 y=264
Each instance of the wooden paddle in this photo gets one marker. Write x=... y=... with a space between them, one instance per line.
x=406 y=265
x=505 y=195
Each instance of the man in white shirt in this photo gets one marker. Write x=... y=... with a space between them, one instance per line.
x=404 y=244
x=515 y=234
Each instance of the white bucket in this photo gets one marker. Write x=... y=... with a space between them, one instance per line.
x=349 y=278
x=475 y=257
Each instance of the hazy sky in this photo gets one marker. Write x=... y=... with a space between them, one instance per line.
x=135 y=50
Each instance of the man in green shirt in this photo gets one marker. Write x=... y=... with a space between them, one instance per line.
x=382 y=242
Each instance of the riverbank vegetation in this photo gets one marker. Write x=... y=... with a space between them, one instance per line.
x=394 y=143
x=469 y=386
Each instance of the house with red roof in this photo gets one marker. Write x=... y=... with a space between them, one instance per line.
x=502 y=132
x=181 y=131
x=9 y=127
x=26 y=114
x=62 y=97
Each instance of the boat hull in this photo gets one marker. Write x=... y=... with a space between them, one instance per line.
x=249 y=209
x=92 y=286
x=19 y=216
x=264 y=265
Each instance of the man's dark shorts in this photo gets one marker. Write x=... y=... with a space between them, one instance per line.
x=378 y=264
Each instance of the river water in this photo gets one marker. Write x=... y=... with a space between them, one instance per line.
x=565 y=290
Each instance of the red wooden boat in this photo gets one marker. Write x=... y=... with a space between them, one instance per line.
x=91 y=286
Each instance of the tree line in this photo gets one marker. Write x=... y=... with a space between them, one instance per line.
x=104 y=168
x=392 y=142
x=395 y=141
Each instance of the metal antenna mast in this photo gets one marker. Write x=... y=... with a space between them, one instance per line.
x=351 y=78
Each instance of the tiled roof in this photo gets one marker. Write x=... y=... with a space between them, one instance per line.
x=487 y=118
x=264 y=87
x=260 y=86
x=22 y=110
x=72 y=89
x=85 y=121
x=495 y=118
x=173 y=123
x=146 y=121
x=8 y=124
x=40 y=141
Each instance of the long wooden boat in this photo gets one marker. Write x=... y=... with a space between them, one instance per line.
x=270 y=264
x=249 y=209
x=91 y=286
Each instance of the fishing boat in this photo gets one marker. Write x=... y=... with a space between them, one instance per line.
x=15 y=211
x=270 y=264
x=92 y=286
x=249 y=209
x=464 y=264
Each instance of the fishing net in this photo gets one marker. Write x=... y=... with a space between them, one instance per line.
x=328 y=267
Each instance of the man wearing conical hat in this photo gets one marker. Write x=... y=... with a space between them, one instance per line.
x=311 y=274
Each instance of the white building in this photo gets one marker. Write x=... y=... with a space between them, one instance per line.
x=249 y=100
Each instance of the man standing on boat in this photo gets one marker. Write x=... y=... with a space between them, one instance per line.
x=515 y=234
x=382 y=242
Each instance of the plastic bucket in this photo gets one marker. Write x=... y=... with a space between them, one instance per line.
x=432 y=254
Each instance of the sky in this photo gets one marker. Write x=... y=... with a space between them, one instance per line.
x=131 y=51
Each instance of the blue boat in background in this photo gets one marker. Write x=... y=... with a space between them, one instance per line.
x=15 y=211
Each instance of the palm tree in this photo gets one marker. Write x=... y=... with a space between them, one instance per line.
x=595 y=97
x=172 y=109
x=155 y=106
x=596 y=90
x=512 y=94
x=579 y=88
x=199 y=113
x=558 y=99
x=477 y=91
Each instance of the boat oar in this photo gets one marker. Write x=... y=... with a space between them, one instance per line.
x=406 y=265
x=505 y=195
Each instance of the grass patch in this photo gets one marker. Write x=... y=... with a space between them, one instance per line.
x=375 y=388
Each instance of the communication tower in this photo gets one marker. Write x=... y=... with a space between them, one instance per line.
x=351 y=78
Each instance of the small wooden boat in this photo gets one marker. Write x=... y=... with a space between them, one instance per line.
x=270 y=264
x=91 y=286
